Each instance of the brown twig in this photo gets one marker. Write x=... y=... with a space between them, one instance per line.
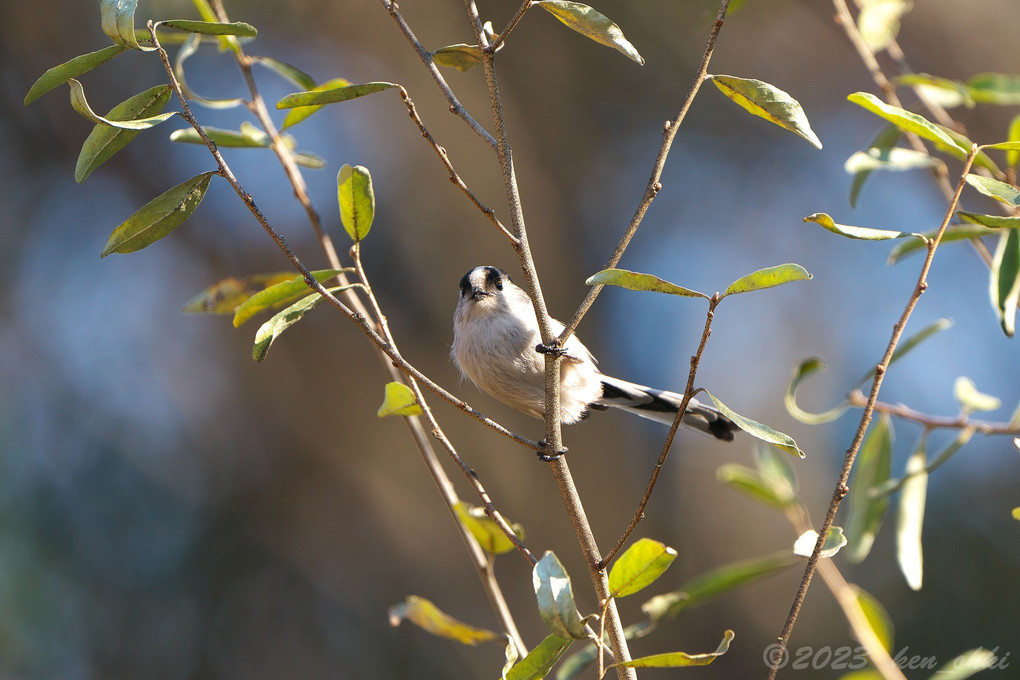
x=960 y=422
x=501 y=38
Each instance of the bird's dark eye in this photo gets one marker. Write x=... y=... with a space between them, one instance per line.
x=499 y=284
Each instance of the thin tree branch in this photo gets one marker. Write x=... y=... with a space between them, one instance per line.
x=501 y=38
x=960 y=422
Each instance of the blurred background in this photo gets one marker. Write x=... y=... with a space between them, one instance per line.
x=171 y=509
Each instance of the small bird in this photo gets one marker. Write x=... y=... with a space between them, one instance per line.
x=495 y=335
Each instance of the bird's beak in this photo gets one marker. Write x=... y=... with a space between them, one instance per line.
x=478 y=293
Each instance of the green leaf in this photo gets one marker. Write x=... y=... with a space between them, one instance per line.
x=757 y=430
x=716 y=582
x=776 y=472
x=966 y=665
x=485 y=530
x=291 y=73
x=1003 y=146
x=991 y=221
x=398 y=401
x=835 y=539
x=879 y=22
x=1004 y=287
x=300 y=113
x=680 y=659
x=429 y=617
x=871 y=470
x=893 y=485
x=238 y=28
x=863 y=233
x=269 y=331
x=803 y=370
x=118 y=20
x=639 y=566
x=224 y=296
x=279 y=294
x=767 y=278
x=1013 y=135
x=357 y=200
x=750 y=483
x=970 y=399
x=460 y=56
x=637 y=281
x=79 y=103
x=58 y=75
x=905 y=120
x=539 y=661
x=911 y=518
x=886 y=138
x=944 y=91
x=190 y=46
x=333 y=95
x=954 y=232
x=592 y=24
x=995 y=88
x=1000 y=191
x=223 y=138
x=158 y=217
x=104 y=141
x=309 y=160
x=768 y=102
x=982 y=160
x=556 y=598
x=878 y=618
x=910 y=343
x=888 y=159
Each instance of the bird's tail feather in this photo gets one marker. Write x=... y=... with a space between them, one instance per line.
x=662 y=406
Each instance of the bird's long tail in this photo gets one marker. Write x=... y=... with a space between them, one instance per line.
x=662 y=407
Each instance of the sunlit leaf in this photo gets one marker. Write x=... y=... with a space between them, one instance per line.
x=1000 y=191
x=750 y=483
x=485 y=530
x=966 y=665
x=992 y=221
x=291 y=73
x=637 y=281
x=279 y=294
x=995 y=88
x=888 y=159
x=269 y=331
x=189 y=47
x=680 y=659
x=804 y=369
x=1004 y=287
x=309 y=160
x=540 y=660
x=767 y=278
x=905 y=120
x=118 y=21
x=81 y=105
x=238 y=28
x=461 y=56
x=104 y=141
x=863 y=233
x=639 y=566
x=871 y=469
x=357 y=200
x=970 y=399
x=556 y=598
x=223 y=138
x=1013 y=135
x=879 y=22
x=300 y=113
x=877 y=617
x=398 y=401
x=428 y=616
x=158 y=217
x=910 y=519
x=954 y=232
x=946 y=92
x=886 y=138
x=768 y=102
x=592 y=24
x=962 y=148
x=58 y=75
x=776 y=472
x=757 y=430
x=224 y=296
x=911 y=342
x=512 y=656
x=834 y=541
x=332 y=96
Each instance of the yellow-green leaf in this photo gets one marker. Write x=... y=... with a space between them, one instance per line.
x=592 y=24
x=863 y=233
x=224 y=296
x=1013 y=135
x=357 y=200
x=995 y=88
x=269 y=331
x=637 y=281
x=333 y=95
x=1000 y=191
x=300 y=113
x=878 y=618
x=238 y=28
x=279 y=294
x=765 y=433
x=750 y=483
x=970 y=399
x=991 y=221
x=58 y=75
x=540 y=660
x=946 y=92
x=460 y=56
x=398 y=401
x=905 y=120
x=768 y=102
x=879 y=22
x=485 y=530
x=803 y=370
x=429 y=617
x=767 y=278
x=81 y=105
x=222 y=138
x=967 y=664
x=291 y=73
x=639 y=566
x=680 y=659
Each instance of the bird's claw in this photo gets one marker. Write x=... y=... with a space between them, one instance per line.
x=545 y=456
x=556 y=350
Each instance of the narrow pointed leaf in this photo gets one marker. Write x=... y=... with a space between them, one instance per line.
x=1000 y=191
x=332 y=96
x=967 y=664
x=991 y=221
x=889 y=159
x=911 y=519
x=118 y=21
x=871 y=470
x=863 y=233
x=300 y=113
x=309 y=160
x=639 y=566
x=291 y=73
x=962 y=146
x=190 y=46
x=223 y=138
x=680 y=659
x=592 y=24
x=485 y=530
x=280 y=294
x=224 y=296
x=637 y=281
x=104 y=141
x=767 y=278
x=1013 y=135
x=946 y=92
x=804 y=369
x=1004 y=287
x=58 y=75
x=158 y=217
x=81 y=105
x=911 y=342
x=879 y=22
x=765 y=433
x=556 y=598
x=461 y=56
x=995 y=88
x=357 y=200
x=835 y=539
x=269 y=331
x=775 y=472
x=749 y=483
x=1003 y=146
x=954 y=232
x=398 y=401
x=878 y=618
x=539 y=661
x=237 y=28
x=429 y=617
x=886 y=138
x=970 y=399
x=768 y=102
x=905 y=120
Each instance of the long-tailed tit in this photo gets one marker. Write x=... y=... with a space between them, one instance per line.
x=495 y=334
